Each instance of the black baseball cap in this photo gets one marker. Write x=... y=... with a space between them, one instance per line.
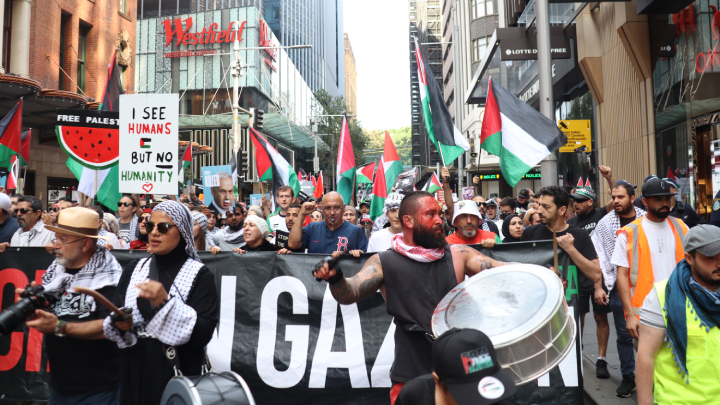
x=656 y=188
x=465 y=361
x=523 y=193
x=491 y=202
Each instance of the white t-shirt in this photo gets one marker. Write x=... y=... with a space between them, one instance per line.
x=380 y=240
x=277 y=222
x=662 y=248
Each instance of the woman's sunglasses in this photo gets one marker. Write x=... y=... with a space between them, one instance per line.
x=54 y=209
x=162 y=227
x=125 y=204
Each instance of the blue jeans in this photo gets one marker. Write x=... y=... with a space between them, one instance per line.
x=111 y=397
x=625 y=346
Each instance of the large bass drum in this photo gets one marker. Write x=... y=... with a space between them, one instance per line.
x=522 y=309
x=208 y=389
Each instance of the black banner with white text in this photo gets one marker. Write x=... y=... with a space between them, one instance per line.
x=283 y=332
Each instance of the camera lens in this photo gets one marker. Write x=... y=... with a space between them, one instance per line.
x=16 y=314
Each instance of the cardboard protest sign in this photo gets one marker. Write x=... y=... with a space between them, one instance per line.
x=219 y=188
x=148 y=151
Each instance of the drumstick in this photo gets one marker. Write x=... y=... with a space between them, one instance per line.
x=100 y=298
x=555 y=252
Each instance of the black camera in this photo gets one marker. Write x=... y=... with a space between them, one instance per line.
x=34 y=298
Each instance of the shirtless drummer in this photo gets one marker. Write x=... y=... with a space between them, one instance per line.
x=413 y=276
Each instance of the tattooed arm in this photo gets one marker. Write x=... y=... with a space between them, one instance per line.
x=472 y=262
x=362 y=285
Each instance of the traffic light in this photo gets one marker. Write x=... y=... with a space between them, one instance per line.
x=243 y=158
x=258 y=119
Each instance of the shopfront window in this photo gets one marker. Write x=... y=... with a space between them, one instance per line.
x=575 y=165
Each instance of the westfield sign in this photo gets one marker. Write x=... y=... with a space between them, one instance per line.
x=208 y=35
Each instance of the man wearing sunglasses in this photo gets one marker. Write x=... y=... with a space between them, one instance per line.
x=32 y=230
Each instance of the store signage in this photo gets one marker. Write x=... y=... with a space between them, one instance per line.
x=266 y=41
x=710 y=58
x=579 y=137
x=497 y=176
x=208 y=35
x=708 y=119
x=148 y=160
x=518 y=44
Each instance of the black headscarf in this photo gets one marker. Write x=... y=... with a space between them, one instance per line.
x=506 y=229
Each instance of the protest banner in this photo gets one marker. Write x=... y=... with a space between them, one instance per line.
x=148 y=161
x=284 y=333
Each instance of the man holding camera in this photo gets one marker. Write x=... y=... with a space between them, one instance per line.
x=86 y=366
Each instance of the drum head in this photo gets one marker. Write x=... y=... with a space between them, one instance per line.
x=506 y=303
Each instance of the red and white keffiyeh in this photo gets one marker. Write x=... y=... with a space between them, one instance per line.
x=417 y=253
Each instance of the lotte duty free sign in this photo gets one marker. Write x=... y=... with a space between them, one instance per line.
x=579 y=136
x=149 y=143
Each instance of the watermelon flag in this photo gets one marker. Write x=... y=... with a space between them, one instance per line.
x=580 y=183
x=25 y=147
x=186 y=160
x=11 y=134
x=448 y=140
x=380 y=190
x=319 y=187
x=391 y=164
x=271 y=165
x=517 y=133
x=587 y=182
x=11 y=183
x=433 y=184
x=345 y=165
x=365 y=173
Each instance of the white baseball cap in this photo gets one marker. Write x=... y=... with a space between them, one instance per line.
x=466 y=207
x=5 y=202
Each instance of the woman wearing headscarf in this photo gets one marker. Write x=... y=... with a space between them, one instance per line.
x=256 y=232
x=203 y=240
x=174 y=303
x=141 y=243
x=512 y=228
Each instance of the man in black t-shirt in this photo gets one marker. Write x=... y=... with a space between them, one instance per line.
x=586 y=215
x=85 y=366
x=574 y=241
x=465 y=372
x=281 y=237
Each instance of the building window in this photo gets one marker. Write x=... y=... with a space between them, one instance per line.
x=63 y=30
x=479 y=47
x=123 y=6
x=7 y=25
x=481 y=8
x=82 y=56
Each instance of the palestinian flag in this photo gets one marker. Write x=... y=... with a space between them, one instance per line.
x=345 y=165
x=517 y=133
x=433 y=184
x=319 y=187
x=11 y=134
x=11 y=183
x=380 y=191
x=186 y=160
x=271 y=165
x=448 y=140
x=145 y=143
x=301 y=174
x=365 y=173
x=392 y=164
x=113 y=87
x=25 y=147
x=312 y=178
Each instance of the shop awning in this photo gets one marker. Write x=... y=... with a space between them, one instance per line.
x=39 y=106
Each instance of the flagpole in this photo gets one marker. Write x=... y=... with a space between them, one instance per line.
x=24 y=177
x=96 y=176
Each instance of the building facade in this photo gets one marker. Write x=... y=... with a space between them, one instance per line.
x=316 y=23
x=350 y=77
x=56 y=55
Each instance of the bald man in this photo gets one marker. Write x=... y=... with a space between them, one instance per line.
x=334 y=236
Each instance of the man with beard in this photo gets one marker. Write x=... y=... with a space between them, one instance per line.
x=413 y=276
x=333 y=236
x=380 y=240
x=647 y=251
x=223 y=195
x=685 y=371
x=282 y=237
x=604 y=237
x=681 y=210
x=231 y=236
x=32 y=231
x=467 y=220
x=86 y=366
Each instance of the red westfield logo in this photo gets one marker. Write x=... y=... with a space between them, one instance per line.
x=208 y=35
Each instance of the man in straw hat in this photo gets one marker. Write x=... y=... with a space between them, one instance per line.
x=86 y=366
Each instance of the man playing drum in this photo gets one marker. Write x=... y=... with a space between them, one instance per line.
x=413 y=276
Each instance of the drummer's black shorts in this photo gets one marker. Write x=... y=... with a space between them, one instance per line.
x=587 y=296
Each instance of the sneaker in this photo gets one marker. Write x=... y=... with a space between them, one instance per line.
x=626 y=388
x=601 y=370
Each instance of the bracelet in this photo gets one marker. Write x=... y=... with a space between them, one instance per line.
x=59 y=328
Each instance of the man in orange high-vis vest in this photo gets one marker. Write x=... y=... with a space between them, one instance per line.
x=646 y=252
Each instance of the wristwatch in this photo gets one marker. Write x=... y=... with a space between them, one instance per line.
x=58 y=328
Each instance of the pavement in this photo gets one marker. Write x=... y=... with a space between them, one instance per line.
x=602 y=391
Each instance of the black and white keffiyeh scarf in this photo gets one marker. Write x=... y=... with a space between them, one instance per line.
x=101 y=271
x=604 y=238
x=173 y=323
x=183 y=219
x=231 y=237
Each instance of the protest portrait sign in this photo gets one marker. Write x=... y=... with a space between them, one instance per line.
x=148 y=152
x=218 y=187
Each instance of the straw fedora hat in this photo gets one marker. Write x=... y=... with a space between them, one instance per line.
x=77 y=221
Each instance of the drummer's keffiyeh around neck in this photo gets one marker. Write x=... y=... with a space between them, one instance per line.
x=417 y=253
